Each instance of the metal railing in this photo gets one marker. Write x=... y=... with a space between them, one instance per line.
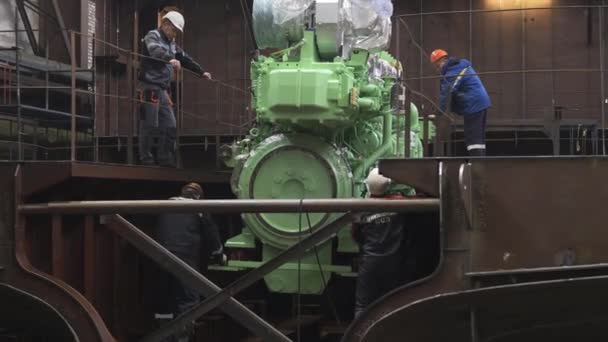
x=228 y=110
x=411 y=30
x=230 y=115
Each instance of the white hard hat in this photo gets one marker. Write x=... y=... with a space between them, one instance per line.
x=376 y=183
x=176 y=19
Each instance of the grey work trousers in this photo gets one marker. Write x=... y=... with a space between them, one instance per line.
x=156 y=120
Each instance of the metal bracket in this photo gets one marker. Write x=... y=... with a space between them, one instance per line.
x=191 y=277
x=28 y=27
x=465 y=184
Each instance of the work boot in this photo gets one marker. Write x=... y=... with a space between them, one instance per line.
x=147 y=162
x=167 y=163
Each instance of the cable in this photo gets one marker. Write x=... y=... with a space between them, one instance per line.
x=92 y=37
x=247 y=16
x=502 y=10
x=429 y=100
x=331 y=303
x=407 y=27
x=502 y=72
x=299 y=297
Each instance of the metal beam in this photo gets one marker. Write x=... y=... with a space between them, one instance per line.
x=248 y=22
x=64 y=32
x=191 y=277
x=38 y=10
x=84 y=29
x=58 y=261
x=293 y=252
x=18 y=79
x=28 y=27
x=233 y=206
x=89 y=258
x=73 y=131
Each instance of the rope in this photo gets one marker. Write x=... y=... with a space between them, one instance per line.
x=407 y=27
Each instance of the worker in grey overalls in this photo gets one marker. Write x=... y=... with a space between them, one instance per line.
x=161 y=57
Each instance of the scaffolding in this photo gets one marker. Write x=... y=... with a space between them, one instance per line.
x=81 y=129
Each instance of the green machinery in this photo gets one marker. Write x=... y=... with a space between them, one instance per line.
x=322 y=122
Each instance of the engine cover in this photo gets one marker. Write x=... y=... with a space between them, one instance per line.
x=292 y=167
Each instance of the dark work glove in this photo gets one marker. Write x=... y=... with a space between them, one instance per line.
x=218 y=259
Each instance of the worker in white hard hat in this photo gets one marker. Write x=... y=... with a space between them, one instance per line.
x=162 y=57
x=380 y=237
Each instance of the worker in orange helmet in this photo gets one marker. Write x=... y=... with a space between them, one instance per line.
x=465 y=94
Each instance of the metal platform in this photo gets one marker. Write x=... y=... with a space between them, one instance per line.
x=41 y=175
x=553 y=128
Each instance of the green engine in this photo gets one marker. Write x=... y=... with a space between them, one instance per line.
x=322 y=122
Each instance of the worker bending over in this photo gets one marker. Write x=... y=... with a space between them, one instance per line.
x=162 y=58
x=463 y=92
x=380 y=237
x=184 y=236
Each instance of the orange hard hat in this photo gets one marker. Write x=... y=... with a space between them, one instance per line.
x=437 y=55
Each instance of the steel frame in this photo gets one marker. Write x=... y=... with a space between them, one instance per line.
x=515 y=233
x=191 y=277
x=215 y=295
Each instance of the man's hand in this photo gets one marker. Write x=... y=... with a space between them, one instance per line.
x=176 y=64
x=207 y=75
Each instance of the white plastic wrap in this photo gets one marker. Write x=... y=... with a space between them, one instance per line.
x=289 y=10
x=363 y=24
x=379 y=68
x=276 y=23
x=366 y=24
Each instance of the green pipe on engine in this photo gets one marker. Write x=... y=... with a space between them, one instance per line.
x=366 y=104
x=385 y=148
x=370 y=90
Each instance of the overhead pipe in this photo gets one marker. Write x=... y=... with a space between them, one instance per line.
x=232 y=206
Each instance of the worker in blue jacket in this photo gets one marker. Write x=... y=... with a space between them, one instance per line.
x=463 y=92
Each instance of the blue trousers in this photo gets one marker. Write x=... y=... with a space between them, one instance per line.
x=475 y=133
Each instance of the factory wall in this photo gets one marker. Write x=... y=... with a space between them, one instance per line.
x=514 y=50
x=516 y=46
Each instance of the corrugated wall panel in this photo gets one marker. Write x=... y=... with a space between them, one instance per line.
x=540 y=39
